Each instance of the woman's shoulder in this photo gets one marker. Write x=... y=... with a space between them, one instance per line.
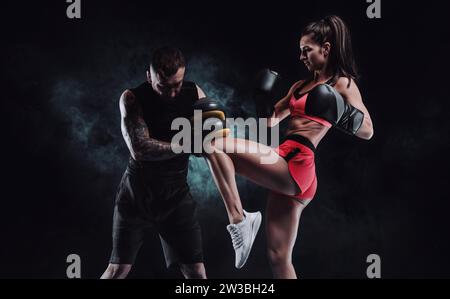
x=348 y=88
x=345 y=83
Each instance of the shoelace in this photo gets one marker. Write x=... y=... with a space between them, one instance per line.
x=236 y=236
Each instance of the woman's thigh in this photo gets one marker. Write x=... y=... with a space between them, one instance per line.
x=259 y=163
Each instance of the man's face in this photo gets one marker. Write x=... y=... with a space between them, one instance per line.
x=166 y=87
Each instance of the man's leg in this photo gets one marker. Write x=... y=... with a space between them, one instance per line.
x=180 y=234
x=193 y=271
x=183 y=249
x=127 y=239
x=116 y=271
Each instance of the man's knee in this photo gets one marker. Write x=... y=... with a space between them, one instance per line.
x=116 y=271
x=193 y=271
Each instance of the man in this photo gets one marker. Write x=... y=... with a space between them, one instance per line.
x=153 y=190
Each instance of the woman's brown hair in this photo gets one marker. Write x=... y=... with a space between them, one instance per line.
x=332 y=29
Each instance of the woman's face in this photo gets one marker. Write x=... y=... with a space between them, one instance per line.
x=313 y=55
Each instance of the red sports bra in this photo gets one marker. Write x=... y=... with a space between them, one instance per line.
x=298 y=102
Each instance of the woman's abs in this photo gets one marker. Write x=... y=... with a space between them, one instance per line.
x=307 y=128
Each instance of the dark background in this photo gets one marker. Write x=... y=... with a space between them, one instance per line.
x=63 y=155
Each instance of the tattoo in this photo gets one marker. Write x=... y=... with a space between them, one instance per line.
x=136 y=133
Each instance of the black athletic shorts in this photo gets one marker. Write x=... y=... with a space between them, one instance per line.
x=158 y=199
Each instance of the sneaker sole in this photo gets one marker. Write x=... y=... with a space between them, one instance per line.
x=255 y=228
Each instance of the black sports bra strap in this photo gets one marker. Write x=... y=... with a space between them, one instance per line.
x=331 y=81
x=305 y=82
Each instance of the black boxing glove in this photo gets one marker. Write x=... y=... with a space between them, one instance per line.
x=264 y=92
x=209 y=108
x=208 y=122
x=351 y=121
x=325 y=102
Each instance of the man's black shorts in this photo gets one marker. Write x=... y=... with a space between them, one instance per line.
x=145 y=198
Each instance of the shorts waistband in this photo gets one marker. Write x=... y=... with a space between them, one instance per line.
x=152 y=171
x=300 y=139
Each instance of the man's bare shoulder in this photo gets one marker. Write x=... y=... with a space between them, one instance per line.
x=128 y=97
x=128 y=103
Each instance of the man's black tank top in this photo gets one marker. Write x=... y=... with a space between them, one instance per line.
x=159 y=114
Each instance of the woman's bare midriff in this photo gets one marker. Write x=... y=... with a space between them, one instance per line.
x=307 y=128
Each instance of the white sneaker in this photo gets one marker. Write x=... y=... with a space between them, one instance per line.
x=243 y=234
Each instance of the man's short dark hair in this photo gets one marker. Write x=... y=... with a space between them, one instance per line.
x=167 y=60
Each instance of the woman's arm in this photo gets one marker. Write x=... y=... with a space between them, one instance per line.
x=281 y=108
x=353 y=97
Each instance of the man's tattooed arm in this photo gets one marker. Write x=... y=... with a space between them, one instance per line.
x=136 y=133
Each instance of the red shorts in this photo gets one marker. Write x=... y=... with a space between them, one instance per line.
x=298 y=151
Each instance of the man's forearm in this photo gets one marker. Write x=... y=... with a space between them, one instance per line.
x=152 y=150
x=142 y=147
x=136 y=133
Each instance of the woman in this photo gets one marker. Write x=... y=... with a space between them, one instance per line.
x=325 y=49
